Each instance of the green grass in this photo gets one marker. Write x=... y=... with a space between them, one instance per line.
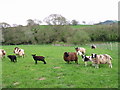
x=79 y=26
x=57 y=73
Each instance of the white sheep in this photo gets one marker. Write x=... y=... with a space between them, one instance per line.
x=80 y=50
x=101 y=59
x=93 y=46
x=2 y=53
x=19 y=52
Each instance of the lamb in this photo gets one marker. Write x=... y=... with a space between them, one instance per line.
x=80 y=50
x=12 y=58
x=101 y=59
x=19 y=52
x=2 y=53
x=38 y=58
x=86 y=59
x=70 y=56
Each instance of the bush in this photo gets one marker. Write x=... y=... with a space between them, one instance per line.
x=78 y=37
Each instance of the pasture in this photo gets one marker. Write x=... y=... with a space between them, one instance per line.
x=57 y=73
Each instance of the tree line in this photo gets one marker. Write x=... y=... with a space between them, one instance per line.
x=49 y=34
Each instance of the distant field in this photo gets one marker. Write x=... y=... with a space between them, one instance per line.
x=74 y=26
x=57 y=73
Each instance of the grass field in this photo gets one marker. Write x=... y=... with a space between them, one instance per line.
x=57 y=73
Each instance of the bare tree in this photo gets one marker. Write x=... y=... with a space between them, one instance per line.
x=56 y=19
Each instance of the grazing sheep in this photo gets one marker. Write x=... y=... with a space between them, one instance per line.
x=93 y=47
x=70 y=56
x=19 y=52
x=12 y=58
x=101 y=59
x=2 y=53
x=80 y=50
x=38 y=58
x=86 y=59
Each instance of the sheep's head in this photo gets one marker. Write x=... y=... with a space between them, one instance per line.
x=33 y=55
x=66 y=54
x=83 y=56
x=79 y=53
x=76 y=48
x=16 y=48
x=94 y=55
x=3 y=52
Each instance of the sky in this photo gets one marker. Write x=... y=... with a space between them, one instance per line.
x=90 y=11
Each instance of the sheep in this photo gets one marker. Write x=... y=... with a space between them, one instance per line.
x=86 y=59
x=19 y=52
x=38 y=58
x=80 y=50
x=2 y=53
x=101 y=59
x=93 y=47
x=70 y=56
x=12 y=58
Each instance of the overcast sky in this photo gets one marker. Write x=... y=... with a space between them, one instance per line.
x=91 y=11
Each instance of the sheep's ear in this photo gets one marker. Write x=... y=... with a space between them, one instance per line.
x=95 y=55
x=92 y=55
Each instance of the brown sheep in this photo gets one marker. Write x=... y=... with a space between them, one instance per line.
x=70 y=56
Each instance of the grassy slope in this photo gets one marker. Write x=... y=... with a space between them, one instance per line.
x=25 y=74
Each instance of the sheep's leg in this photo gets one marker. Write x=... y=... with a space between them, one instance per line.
x=15 y=60
x=68 y=62
x=23 y=55
x=96 y=66
x=110 y=65
x=76 y=62
x=44 y=61
x=35 y=61
x=85 y=63
x=93 y=64
x=11 y=60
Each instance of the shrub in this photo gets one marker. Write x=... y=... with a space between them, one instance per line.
x=78 y=37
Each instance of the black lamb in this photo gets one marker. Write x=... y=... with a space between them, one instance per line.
x=38 y=58
x=13 y=58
